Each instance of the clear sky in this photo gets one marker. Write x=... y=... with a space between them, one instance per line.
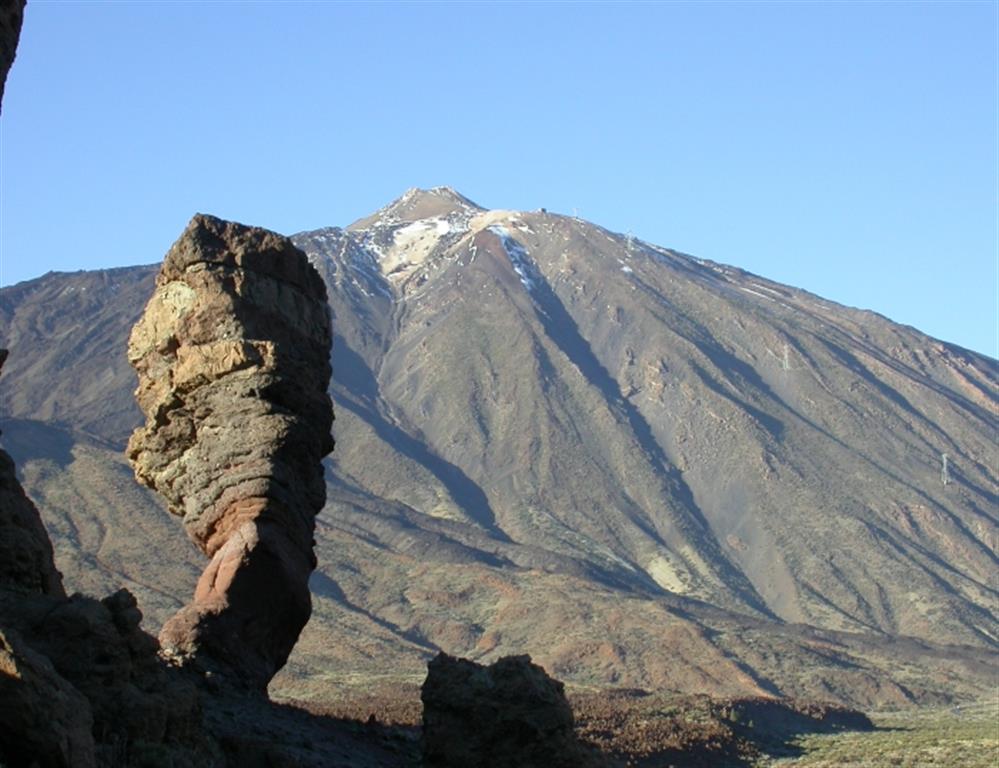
x=846 y=148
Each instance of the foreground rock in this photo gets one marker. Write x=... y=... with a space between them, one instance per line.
x=26 y=561
x=78 y=678
x=232 y=354
x=510 y=714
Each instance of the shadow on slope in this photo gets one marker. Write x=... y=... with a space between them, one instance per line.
x=26 y=440
x=355 y=375
x=628 y=727
x=637 y=728
x=562 y=329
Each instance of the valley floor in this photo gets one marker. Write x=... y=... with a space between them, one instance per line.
x=642 y=730
x=955 y=737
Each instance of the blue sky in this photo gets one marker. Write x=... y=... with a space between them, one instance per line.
x=846 y=148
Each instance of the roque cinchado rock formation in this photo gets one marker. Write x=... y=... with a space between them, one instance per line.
x=232 y=354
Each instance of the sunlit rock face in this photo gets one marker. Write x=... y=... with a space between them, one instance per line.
x=232 y=355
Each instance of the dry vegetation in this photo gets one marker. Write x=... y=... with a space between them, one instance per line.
x=641 y=730
x=966 y=736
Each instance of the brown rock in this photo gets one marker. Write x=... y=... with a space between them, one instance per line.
x=232 y=354
x=98 y=650
x=510 y=714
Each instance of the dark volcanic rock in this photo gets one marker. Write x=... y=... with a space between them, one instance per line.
x=88 y=659
x=233 y=361
x=41 y=714
x=76 y=673
x=509 y=714
x=11 y=16
x=26 y=561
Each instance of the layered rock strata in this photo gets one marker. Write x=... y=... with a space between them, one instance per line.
x=232 y=355
x=510 y=714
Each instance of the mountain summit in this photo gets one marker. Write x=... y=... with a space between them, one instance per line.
x=416 y=204
x=640 y=467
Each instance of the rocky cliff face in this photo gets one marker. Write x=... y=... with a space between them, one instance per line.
x=232 y=354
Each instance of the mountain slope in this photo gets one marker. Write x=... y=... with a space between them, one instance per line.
x=556 y=439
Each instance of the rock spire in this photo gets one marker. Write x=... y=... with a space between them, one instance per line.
x=232 y=355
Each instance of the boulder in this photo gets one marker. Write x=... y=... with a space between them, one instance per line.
x=510 y=714
x=232 y=355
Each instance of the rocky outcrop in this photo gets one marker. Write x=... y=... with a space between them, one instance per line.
x=510 y=714
x=232 y=355
x=78 y=677
x=41 y=714
x=80 y=680
x=26 y=561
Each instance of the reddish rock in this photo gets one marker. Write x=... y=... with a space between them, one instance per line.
x=510 y=714
x=232 y=354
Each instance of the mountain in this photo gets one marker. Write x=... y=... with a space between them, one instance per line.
x=642 y=468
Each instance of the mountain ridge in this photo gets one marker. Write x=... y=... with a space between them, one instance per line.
x=538 y=416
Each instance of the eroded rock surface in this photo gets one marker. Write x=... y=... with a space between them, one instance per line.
x=79 y=679
x=232 y=354
x=510 y=714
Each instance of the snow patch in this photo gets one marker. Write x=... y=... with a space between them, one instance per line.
x=756 y=293
x=517 y=254
x=411 y=245
x=768 y=289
